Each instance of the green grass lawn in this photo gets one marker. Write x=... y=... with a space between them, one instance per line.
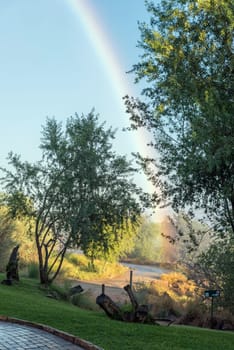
x=26 y=301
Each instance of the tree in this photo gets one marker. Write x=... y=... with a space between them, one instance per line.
x=191 y=238
x=78 y=189
x=187 y=65
x=147 y=242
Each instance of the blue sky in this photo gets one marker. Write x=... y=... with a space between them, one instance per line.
x=49 y=67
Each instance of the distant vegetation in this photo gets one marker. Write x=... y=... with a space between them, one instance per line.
x=147 y=242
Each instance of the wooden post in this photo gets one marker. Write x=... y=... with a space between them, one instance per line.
x=103 y=288
x=132 y=298
x=109 y=306
x=212 y=309
x=131 y=274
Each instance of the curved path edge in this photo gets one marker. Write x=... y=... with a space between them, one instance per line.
x=66 y=336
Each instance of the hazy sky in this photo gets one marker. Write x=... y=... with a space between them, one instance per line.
x=59 y=57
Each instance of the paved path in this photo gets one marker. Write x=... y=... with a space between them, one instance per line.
x=18 y=337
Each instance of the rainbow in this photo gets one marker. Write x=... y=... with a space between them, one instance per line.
x=107 y=54
x=102 y=44
x=109 y=58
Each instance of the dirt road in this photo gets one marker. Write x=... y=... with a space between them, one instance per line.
x=114 y=287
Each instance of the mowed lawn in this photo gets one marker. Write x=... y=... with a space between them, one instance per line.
x=26 y=301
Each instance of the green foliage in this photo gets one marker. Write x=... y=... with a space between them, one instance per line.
x=187 y=66
x=217 y=264
x=115 y=242
x=192 y=238
x=33 y=270
x=147 y=243
x=81 y=194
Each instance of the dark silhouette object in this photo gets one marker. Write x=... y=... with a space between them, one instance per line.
x=132 y=298
x=12 y=272
x=139 y=313
x=76 y=290
x=110 y=307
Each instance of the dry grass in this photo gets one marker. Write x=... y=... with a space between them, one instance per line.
x=170 y=296
x=176 y=297
x=77 y=266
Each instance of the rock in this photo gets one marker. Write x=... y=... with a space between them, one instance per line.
x=75 y=290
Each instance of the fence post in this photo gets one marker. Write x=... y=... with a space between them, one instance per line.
x=131 y=274
x=103 y=288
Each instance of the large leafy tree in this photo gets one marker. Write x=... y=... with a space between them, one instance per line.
x=187 y=104
x=78 y=190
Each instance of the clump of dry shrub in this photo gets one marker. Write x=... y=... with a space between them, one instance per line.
x=171 y=296
x=173 y=288
x=176 y=297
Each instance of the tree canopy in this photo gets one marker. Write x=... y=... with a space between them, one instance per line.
x=79 y=194
x=187 y=104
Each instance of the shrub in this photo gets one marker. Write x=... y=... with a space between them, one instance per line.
x=194 y=313
x=59 y=292
x=33 y=270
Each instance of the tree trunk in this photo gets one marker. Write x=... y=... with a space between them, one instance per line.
x=111 y=309
x=132 y=298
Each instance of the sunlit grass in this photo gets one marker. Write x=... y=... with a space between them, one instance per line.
x=78 y=266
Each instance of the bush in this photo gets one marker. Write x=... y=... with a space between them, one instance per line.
x=59 y=292
x=194 y=314
x=170 y=296
x=33 y=270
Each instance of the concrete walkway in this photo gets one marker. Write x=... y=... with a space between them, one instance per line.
x=20 y=337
